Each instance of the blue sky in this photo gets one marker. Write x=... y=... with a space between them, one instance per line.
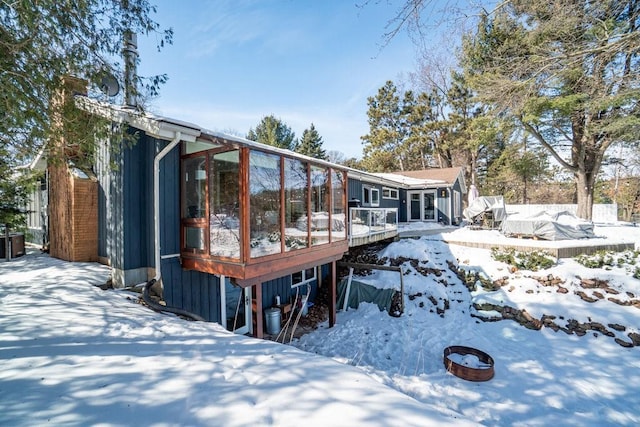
x=234 y=62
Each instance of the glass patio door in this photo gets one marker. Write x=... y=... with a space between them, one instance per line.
x=414 y=207
x=429 y=206
x=236 y=307
x=422 y=206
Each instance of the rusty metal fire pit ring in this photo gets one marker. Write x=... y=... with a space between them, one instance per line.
x=467 y=372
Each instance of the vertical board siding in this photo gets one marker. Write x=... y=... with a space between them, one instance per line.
x=442 y=204
x=113 y=226
x=170 y=203
x=193 y=291
x=137 y=195
x=282 y=287
x=354 y=189
x=103 y=172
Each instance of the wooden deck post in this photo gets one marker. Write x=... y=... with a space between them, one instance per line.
x=332 y=294
x=257 y=311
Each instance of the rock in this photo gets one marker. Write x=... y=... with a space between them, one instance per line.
x=585 y=297
x=595 y=326
x=619 y=302
x=562 y=290
x=617 y=327
x=588 y=283
x=623 y=343
x=594 y=283
x=635 y=338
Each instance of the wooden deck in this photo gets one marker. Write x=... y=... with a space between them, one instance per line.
x=371 y=238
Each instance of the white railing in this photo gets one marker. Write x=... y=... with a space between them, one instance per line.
x=364 y=222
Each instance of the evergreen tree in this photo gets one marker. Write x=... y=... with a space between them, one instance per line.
x=311 y=144
x=518 y=173
x=273 y=131
x=15 y=187
x=397 y=138
x=42 y=41
x=568 y=73
x=42 y=44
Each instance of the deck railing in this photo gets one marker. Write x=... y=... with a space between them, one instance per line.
x=367 y=222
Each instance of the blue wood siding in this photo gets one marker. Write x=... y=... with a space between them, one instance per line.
x=125 y=203
x=137 y=192
x=126 y=229
x=282 y=287
x=354 y=191
x=193 y=291
x=170 y=203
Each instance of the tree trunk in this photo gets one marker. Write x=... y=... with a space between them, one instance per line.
x=586 y=153
x=584 y=191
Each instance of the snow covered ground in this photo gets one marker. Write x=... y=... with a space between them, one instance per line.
x=72 y=354
x=541 y=378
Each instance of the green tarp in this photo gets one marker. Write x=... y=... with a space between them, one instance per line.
x=361 y=292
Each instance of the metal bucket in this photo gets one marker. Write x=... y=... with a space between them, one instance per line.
x=273 y=320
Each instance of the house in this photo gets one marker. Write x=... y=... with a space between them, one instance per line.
x=431 y=195
x=374 y=202
x=229 y=227
x=226 y=225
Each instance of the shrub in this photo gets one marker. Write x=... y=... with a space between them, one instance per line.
x=532 y=261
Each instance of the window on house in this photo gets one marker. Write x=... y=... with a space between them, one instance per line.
x=338 y=220
x=264 y=203
x=457 y=208
x=194 y=203
x=390 y=193
x=303 y=277
x=273 y=204
x=295 y=204
x=224 y=204
x=370 y=196
x=195 y=187
x=319 y=205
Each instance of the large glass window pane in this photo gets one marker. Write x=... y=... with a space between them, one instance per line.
x=224 y=206
x=319 y=205
x=194 y=193
x=338 y=221
x=295 y=202
x=264 y=203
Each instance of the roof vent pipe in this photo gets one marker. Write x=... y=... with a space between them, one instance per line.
x=130 y=54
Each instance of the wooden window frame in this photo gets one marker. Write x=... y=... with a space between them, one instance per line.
x=249 y=271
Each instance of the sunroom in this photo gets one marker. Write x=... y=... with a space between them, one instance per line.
x=254 y=213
